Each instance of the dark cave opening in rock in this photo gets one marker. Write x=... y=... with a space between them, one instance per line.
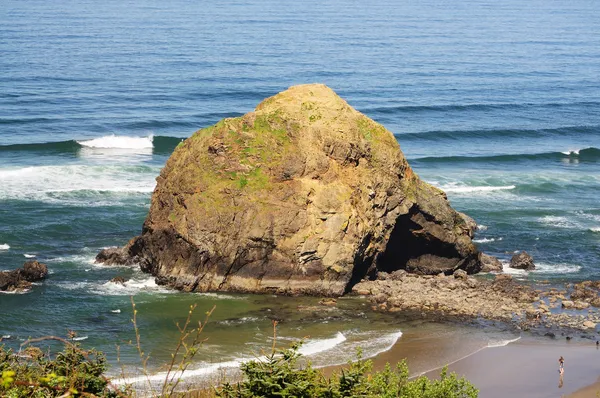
x=413 y=247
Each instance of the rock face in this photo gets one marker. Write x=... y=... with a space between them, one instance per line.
x=21 y=278
x=522 y=261
x=305 y=195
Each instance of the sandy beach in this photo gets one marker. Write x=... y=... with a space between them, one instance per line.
x=529 y=368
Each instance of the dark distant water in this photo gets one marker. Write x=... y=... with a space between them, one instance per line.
x=496 y=102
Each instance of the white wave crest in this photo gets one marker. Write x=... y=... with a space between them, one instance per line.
x=80 y=338
x=482 y=227
x=571 y=152
x=487 y=240
x=117 y=311
x=4 y=246
x=119 y=142
x=29 y=255
x=315 y=346
x=595 y=229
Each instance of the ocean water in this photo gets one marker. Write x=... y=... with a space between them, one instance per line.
x=496 y=102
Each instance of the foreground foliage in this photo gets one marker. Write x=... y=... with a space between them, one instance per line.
x=278 y=375
x=72 y=372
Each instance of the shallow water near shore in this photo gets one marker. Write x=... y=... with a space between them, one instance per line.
x=494 y=102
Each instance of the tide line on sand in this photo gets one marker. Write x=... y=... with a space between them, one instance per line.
x=492 y=344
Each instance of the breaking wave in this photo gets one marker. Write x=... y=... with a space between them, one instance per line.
x=156 y=144
x=311 y=347
x=119 y=142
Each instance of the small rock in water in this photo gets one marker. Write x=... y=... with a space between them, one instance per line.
x=119 y=279
x=550 y=334
x=522 y=261
x=328 y=301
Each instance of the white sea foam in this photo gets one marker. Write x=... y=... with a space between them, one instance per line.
x=595 y=229
x=76 y=258
x=29 y=255
x=487 y=240
x=542 y=268
x=482 y=227
x=502 y=343
x=117 y=311
x=475 y=189
x=239 y=321
x=221 y=296
x=571 y=152
x=80 y=338
x=560 y=268
x=77 y=184
x=24 y=291
x=119 y=142
x=138 y=284
x=4 y=246
x=559 y=222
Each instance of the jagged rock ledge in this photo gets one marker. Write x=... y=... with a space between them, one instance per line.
x=305 y=195
x=502 y=299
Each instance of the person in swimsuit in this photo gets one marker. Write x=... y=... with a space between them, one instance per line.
x=561 y=365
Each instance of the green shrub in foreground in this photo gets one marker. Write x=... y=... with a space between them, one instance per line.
x=279 y=376
x=72 y=372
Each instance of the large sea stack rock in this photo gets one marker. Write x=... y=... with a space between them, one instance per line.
x=305 y=195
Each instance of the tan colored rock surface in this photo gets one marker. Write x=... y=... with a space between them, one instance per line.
x=303 y=195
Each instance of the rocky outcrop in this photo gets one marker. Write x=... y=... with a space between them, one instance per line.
x=21 y=278
x=466 y=297
x=305 y=195
x=522 y=260
x=490 y=263
x=117 y=256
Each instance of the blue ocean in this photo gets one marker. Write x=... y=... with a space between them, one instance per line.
x=495 y=102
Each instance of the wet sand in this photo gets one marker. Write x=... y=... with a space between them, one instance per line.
x=529 y=368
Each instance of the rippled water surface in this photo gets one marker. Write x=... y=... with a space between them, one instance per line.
x=496 y=102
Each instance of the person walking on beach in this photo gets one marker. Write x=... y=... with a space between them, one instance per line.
x=561 y=365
